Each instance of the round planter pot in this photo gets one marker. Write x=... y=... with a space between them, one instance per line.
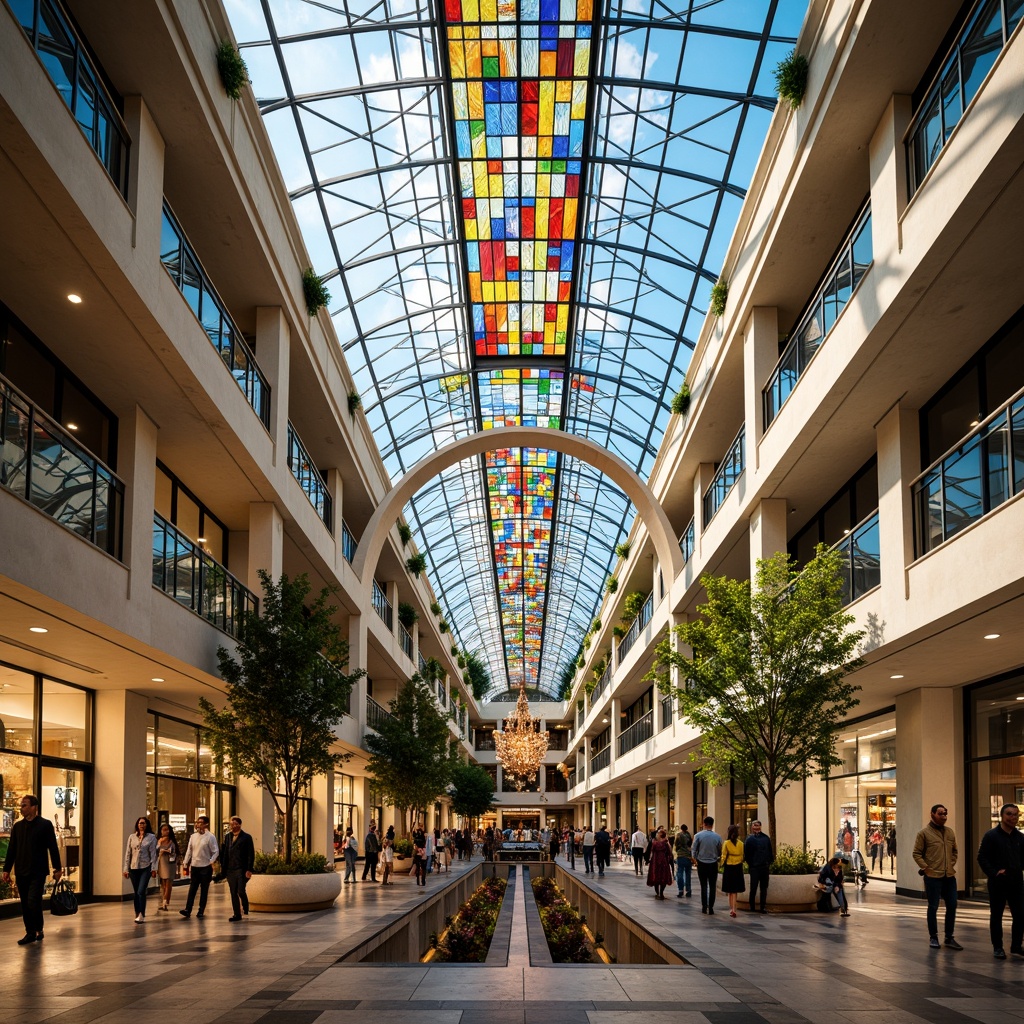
x=787 y=894
x=278 y=894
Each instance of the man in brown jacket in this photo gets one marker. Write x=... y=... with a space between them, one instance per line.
x=935 y=854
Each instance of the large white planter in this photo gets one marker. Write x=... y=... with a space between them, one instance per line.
x=787 y=894
x=290 y=893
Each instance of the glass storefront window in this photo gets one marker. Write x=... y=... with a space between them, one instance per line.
x=17 y=710
x=65 y=721
x=176 y=748
x=61 y=800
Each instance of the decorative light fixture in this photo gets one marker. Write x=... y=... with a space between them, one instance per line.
x=520 y=748
x=74 y=299
x=38 y=629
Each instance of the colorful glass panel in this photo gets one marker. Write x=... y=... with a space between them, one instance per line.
x=520 y=397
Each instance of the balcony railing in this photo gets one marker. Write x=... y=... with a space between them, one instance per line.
x=985 y=470
x=442 y=696
x=600 y=760
x=79 y=83
x=581 y=713
x=730 y=469
x=421 y=662
x=309 y=478
x=182 y=570
x=327 y=668
x=979 y=43
x=638 y=625
x=405 y=639
x=382 y=606
x=602 y=683
x=572 y=780
x=375 y=713
x=453 y=708
x=687 y=542
x=348 y=543
x=637 y=733
x=182 y=263
x=483 y=740
x=822 y=312
x=666 y=712
x=862 y=559
x=42 y=463
x=558 y=739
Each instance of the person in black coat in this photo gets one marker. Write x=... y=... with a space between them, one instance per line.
x=1001 y=857
x=237 y=858
x=602 y=849
x=32 y=841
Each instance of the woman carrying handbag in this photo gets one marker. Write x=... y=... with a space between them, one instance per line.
x=140 y=858
x=168 y=857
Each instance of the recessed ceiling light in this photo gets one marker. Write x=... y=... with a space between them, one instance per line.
x=74 y=299
x=896 y=677
x=38 y=629
x=992 y=636
x=72 y=426
x=1019 y=698
x=200 y=540
x=604 y=721
x=157 y=679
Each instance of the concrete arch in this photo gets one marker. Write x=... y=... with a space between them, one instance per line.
x=647 y=505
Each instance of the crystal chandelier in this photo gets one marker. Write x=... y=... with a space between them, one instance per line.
x=520 y=747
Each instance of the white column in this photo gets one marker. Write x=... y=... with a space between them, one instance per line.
x=887 y=155
x=273 y=338
x=899 y=460
x=767 y=531
x=138 y=464
x=321 y=819
x=760 y=354
x=266 y=543
x=145 y=180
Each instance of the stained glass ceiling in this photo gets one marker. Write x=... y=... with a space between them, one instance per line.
x=520 y=207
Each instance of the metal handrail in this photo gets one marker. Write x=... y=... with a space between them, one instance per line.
x=376 y=713
x=730 y=469
x=666 y=712
x=382 y=606
x=601 y=760
x=348 y=543
x=640 y=730
x=309 y=478
x=633 y=633
x=606 y=676
x=688 y=541
x=405 y=639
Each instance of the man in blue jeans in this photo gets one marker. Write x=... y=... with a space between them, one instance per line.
x=684 y=861
x=935 y=853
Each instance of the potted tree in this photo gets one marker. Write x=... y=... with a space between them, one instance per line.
x=286 y=692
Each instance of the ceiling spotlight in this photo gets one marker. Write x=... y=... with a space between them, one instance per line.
x=72 y=426
x=992 y=636
x=604 y=721
x=157 y=679
x=896 y=677
x=74 y=299
x=38 y=629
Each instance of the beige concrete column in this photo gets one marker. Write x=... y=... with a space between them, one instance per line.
x=266 y=543
x=684 y=799
x=321 y=818
x=899 y=460
x=929 y=729
x=145 y=180
x=760 y=354
x=120 y=784
x=720 y=807
x=137 y=463
x=336 y=489
x=767 y=531
x=273 y=338
x=701 y=482
x=255 y=807
x=887 y=157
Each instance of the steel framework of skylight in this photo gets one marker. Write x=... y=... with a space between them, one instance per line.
x=363 y=103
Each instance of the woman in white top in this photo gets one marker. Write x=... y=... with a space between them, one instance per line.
x=167 y=859
x=140 y=864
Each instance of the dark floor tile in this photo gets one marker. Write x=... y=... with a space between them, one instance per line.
x=289 y=1017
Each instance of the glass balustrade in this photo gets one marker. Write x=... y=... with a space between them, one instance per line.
x=348 y=543
x=184 y=571
x=42 y=463
x=638 y=624
x=382 y=606
x=309 y=478
x=182 y=263
x=687 y=542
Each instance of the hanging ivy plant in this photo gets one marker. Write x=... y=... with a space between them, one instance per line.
x=405 y=533
x=719 y=296
x=622 y=550
x=407 y=615
x=681 y=400
x=612 y=585
x=454 y=651
x=315 y=292
x=631 y=606
x=354 y=402
x=618 y=632
x=233 y=72
x=435 y=608
x=791 y=79
x=416 y=564
x=595 y=626
x=443 y=626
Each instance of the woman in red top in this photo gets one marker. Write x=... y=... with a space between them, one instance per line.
x=659 y=872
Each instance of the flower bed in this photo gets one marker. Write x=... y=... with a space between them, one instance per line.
x=563 y=927
x=468 y=935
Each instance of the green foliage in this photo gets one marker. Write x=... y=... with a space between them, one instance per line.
x=765 y=686
x=595 y=626
x=315 y=293
x=443 y=626
x=791 y=79
x=354 y=402
x=403 y=847
x=454 y=650
x=563 y=926
x=796 y=860
x=565 y=680
x=469 y=933
x=407 y=615
x=618 y=632
x=409 y=750
x=404 y=533
x=416 y=563
x=460 y=661
x=286 y=693
x=622 y=550
x=435 y=608
x=719 y=297
x=612 y=585
x=233 y=72
x=632 y=606
x=681 y=400
x=433 y=671
x=580 y=662
x=479 y=676
x=473 y=790
x=300 y=864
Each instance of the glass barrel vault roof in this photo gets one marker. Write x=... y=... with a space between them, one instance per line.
x=520 y=207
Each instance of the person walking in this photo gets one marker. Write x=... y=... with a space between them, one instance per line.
x=140 y=862
x=371 y=853
x=684 y=862
x=732 y=867
x=830 y=882
x=588 y=851
x=935 y=854
x=201 y=854
x=168 y=856
x=388 y=857
x=707 y=852
x=602 y=850
x=1001 y=857
x=637 y=845
x=237 y=858
x=759 y=855
x=351 y=851
x=419 y=858
x=659 y=871
x=32 y=840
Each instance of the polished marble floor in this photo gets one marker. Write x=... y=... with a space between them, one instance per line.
x=874 y=967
